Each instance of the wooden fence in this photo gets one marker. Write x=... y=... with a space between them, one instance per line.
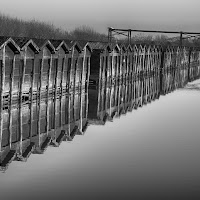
x=32 y=68
x=36 y=68
x=154 y=69
x=43 y=90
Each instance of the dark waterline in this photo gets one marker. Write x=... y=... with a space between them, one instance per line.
x=149 y=153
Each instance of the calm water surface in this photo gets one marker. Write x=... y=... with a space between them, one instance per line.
x=149 y=153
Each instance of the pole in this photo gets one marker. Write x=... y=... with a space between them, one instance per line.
x=109 y=34
x=181 y=38
x=129 y=36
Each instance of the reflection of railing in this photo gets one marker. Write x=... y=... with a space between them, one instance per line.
x=31 y=127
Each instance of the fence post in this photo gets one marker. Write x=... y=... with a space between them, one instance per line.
x=189 y=59
x=161 y=71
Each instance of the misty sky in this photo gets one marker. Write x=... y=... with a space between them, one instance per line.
x=99 y=14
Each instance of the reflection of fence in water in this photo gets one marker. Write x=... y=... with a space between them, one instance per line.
x=30 y=127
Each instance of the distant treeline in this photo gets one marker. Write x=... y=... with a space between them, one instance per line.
x=10 y=26
x=15 y=27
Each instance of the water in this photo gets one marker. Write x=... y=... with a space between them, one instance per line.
x=149 y=153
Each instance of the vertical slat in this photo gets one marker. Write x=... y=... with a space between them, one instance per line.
x=81 y=113
x=49 y=76
x=31 y=100
x=112 y=67
x=40 y=75
x=161 y=68
x=55 y=86
x=140 y=79
x=72 y=63
x=10 y=106
x=20 y=127
x=55 y=109
x=21 y=100
x=86 y=102
x=47 y=100
x=12 y=79
x=1 y=91
x=75 y=72
x=10 y=125
x=61 y=86
x=56 y=76
x=55 y=89
x=62 y=74
x=69 y=118
x=22 y=76
x=33 y=77
x=40 y=96
x=83 y=69
x=88 y=74
x=100 y=69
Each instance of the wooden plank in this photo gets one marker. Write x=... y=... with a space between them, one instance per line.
x=39 y=99
x=12 y=80
x=69 y=116
x=61 y=86
x=62 y=74
x=49 y=76
x=100 y=69
x=1 y=92
x=88 y=72
x=31 y=96
x=47 y=99
x=83 y=69
x=40 y=76
x=71 y=69
x=20 y=127
x=32 y=79
x=22 y=77
x=112 y=67
x=56 y=75
x=10 y=106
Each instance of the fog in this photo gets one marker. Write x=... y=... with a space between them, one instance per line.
x=138 y=14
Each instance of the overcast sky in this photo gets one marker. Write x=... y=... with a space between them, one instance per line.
x=99 y=14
